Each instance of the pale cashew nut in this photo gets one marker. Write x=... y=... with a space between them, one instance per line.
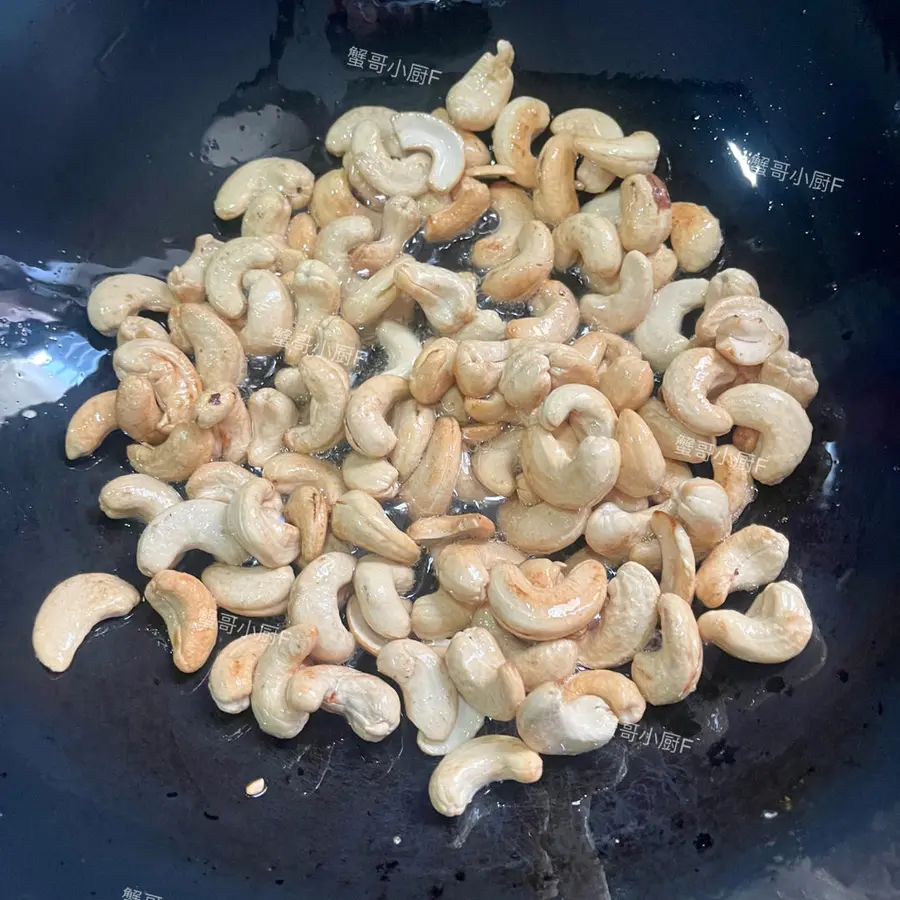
x=186 y=281
x=554 y=315
x=608 y=204
x=336 y=241
x=776 y=627
x=340 y=134
x=585 y=408
x=288 y=176
x=746 y=330
x=478 y=365
x=134 y=327
x=514 y=209
x=359 y=519
x=137 y=497
x=628 y=503
x=189 y=611
x=309 y=510
x=269 y=216
x=730 y=283
x=589 y=123
x=546 y=613
x=675 y=440
x=476 y=100
x=785 y=431
x=555 y=198
x=137 y=411
x=643 y=467
x=437 y=616
x=366 y=636
x=254 y=519
x=464 y=568
x=482 y=675
x=420 y=131
x=491 y=410
x=476 y=151
x=377 y=584
x=466 y=526
x=696 y=236
x=475 y=764
x=627 y=620
x=612 y=532
x=429 y=490
x=231 y=675
x=664 y=263
x=447 y=298
x=634 y=154
x=678 y=563
x=734 y=477
x=270 y=314
x=280 y=661
x=689 y=378
x=183 y=452
x=271 y=415
x=494 y=463
x=249 y=590
x=676 y=474
x=226 y=270
x=468 y=724
x=432 y=372
x=413 y=424
x=72 y=609
x=329 y=395
x=119 y=296
x=288 y=471
x=370 y=706
x=592 y=242
x=376 y=477
x=753 y=556
x=401 y=219
x=370 y=300
x=332 y=199
x=430 y=698
x=367 y=429
x=659 y=336
x=486 y=326
x=518 y=124
x=541 y=528
x=224 y=410
x=315 y=599
x=792 y=374
x=625 y=309
x=302 y=232
x=216 y=481
x=90 y=424
x=646 y=213
x=470 y=200
x=669 y=674
x=338 y=341
x=218 y=354
x=388 y=176
x=702 y=507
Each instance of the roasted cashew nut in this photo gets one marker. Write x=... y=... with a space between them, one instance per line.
x=555 y=198
x=72 y=609
x=467 y=526
x=370 y=706
x=329 y=394
x=447 y=298
x=430 y=698
x=541 y=528
x=254 y=518
x=400 y=220
x=734 y=477
x=588 y=123
x=231 y=675
x=333 y=199
x=137 y=497
x=514 y=210
x=226 y=269
x=216 y=481
x=643 y=466
x=518 y=124
x=249 y=590
x=689 y=378
x=592 y=242
x=746 y=330
x=437 y=616
x=309 y=510
x=696 y=236
x=359 y=519
x=272 y=414
x=470 y=200
x=792 y=374
x=223 y=409
x=475 y=764
x=635 y=154
x=554 y=315
x=134 y=327
x=464 y=568
x=367 y=429
x=372 y=299
x=664 y=263
x=270 y=314
x=288 y=471
x=183 y=452
x=90 y=424
x=785 y=431
x=432 y=372
x=413 y=424
x=218 y=353
x=137 y=411
x=669 y=674
x=429 y=489
x=776 y=628
x=494 y=463
x=627 y=308
x=119 y=296
x=189 y=611
x=646 y=213
x=186 y=281
x=476 y=100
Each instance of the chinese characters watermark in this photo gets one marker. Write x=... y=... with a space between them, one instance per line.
x=779 y=170
x=231 y=624
x=413 y=73
x=728 y=455
x=134 y=894
x=667 y=741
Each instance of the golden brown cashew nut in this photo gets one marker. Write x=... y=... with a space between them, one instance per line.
x=231 y=675
x=554 y=315
x=370 y=706
x=216 y=481
x=643 y=466
x=635 y=154
x=429 y=696
x=134 y=327
x=271 y=415
x=367 y=429
x=288 y=176
x=785 y=431
x=678 y=563
x=588 y=123
x=333 y=199
x=475 y=764
x=591 y=241
x=249 y=590
x=792 y=374
x=387 y=176
x=541 y=528
x=288 y=471
x=514 y=210
x=183 y=452
x=753 y=556
x=669 y=674
x=119 y=296
x=447 y=298
x=527 y=270
x=476 y=100
x=437 y=616
x=309 y=510
x=377 y=584
x=776 y=628
x=646 y=213
x=90 y=424
x=464 y=568
x=72 y=609
x=429 y=490
x=329 y=393
x=696 y=236
x=555 y=198
x=432 y=373
x=219 y=356
x=137 y=411
x=659 y=336
x=421 y=131
x=470 y=200
x=734 y=476
x=315 y=600
x=628 y=620
x=270 y=314
x=302 y=232
x=401 y=219
x=518 y=124
x=254 y=519
x=137 y=497
x=482 y=675
x=186 y=281
x=626 y=308
x=228 y=266
x=279 y=662
x=689 y=378
x=189 y=611
x=359 y=519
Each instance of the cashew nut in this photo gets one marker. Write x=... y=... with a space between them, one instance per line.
x=486 y=326
x=288 y=471
x=746 y=330
x=90 y=424
x=280 y=661
x=476 y=100
x=137 y=412
x=690 y=376
x=218 y=353
x=119 y=296
x=420 y=131
x=429 y=696
x=339 y=135
x=627 y=620
x=308 y=510
x=376 y=477
x=792 y=374
x=634 y=154
x=437 y=616
x=541 y=528
x=468 y=724
x=231 y=675
x=288 y=176
x=447 y=298
x=72 y=609
x=518 y=124
x=223 y=409
x=365 y=636
x=675 y=441
x=227 y=268
x=555 y=198
x=329 y=394
x=216 y=481
x=464 y=568
x=137 y=497
x=302 y=232
x=776 y=628
x=612 y=532
x=359 y=519
x=696 y=236
x=585 y=408
x=554 y=311
x=254 y=519
x=730 y=283
x=332 y=199
x=186 y=281
x=268 y=216
x=134 y=327
x=189 y=611
x=432 y=372
x=664 y=263
x=470 y=200
x=642 y=464
x=734 y=477
x=592 y=242
x=627 y=308
x=401 y=219
x=317 y=294
x=646 y=213
x=367 y=430
x=429 y=490
x=183 y=452
x=659 y=336
x=478 y=365
x=270 y=314
x=589 y=123
x=476 y=151
x=377 y=584
x=676 y=474
x=514 y=210
x=468 y=526
x=669 y=674
x=678 y=563
x=315 y=598
x=249 y=590
x=785 y=431
x=388 y=176
x=271 y=415
x=373 y=298
x=475 y=764
x=413 y=425
x=490 y=410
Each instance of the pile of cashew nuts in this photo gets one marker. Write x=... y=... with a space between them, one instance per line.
x=549 y=421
